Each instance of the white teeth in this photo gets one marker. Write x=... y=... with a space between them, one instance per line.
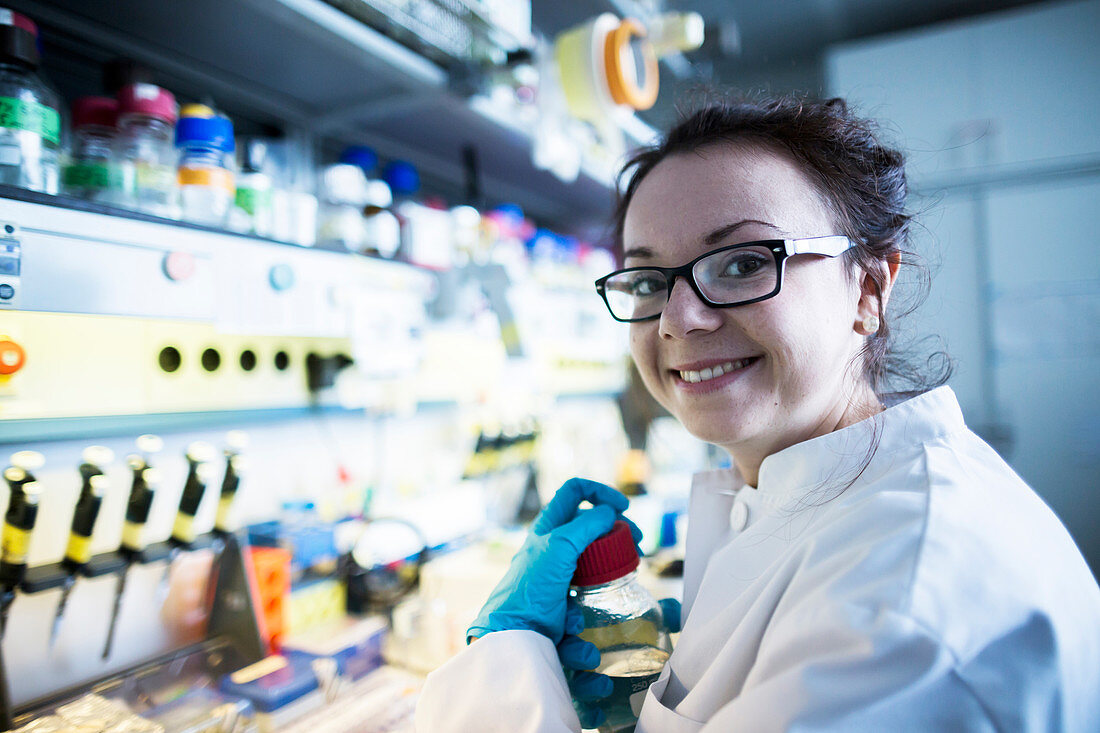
x=712 y=372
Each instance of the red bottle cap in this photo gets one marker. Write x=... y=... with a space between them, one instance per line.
x=95 y=111
x=18 y=39
x=10 y=17
x=610 y=557
x=147 y=99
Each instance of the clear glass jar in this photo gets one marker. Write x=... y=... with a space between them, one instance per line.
x=625 y=623
x=91 y=171
x=253 y=204
x=340 y=222
x=145 y=151
x=30 y=118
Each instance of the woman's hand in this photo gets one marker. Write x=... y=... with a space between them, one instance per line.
x=535 y=589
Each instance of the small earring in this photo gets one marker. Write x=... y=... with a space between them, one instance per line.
x=871 y=325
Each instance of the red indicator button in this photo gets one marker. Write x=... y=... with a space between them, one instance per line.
x=12 y=357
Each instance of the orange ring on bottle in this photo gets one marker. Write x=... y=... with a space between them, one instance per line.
x=623 y=90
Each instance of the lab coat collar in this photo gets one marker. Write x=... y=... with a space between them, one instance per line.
x=859 y=452
x=827 y=464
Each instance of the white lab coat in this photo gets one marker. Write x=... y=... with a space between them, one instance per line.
x=936 y=592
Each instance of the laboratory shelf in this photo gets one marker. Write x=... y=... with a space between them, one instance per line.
x=14 y=194
x=35 y=430
x=304 y=64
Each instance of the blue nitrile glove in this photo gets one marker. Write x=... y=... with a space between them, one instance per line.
x=579 y=656
x=535 y=589
x=670 y=612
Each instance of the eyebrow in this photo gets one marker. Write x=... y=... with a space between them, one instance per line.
x=709 y=240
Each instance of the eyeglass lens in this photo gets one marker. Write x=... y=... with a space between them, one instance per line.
x=725 y=277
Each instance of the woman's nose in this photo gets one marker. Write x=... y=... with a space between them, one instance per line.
x=685 y=313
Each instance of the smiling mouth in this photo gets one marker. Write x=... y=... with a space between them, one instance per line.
x=703 y=375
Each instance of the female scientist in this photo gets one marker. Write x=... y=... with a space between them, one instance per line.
x=868 y=563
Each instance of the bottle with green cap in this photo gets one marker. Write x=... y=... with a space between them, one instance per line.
x=30 y=118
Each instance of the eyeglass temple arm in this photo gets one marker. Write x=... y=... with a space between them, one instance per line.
x=830 y=246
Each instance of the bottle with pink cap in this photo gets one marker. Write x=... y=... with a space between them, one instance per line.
x=91 y=171
x=30 y=120
x=145 y=150
x=624 y=621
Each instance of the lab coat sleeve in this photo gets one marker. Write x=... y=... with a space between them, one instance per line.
x=505 y=681
x=851 y=667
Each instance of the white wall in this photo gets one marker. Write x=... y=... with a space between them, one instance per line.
x=999 y=117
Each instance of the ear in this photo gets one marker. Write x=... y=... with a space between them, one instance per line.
x=874 y=290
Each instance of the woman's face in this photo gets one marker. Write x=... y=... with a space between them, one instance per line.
x=794 y=357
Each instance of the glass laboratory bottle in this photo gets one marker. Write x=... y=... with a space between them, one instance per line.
x=625 y=623
x=30 y=120
x=144 y=150
x=340 y=223
x=253 y=208
x=91 y=171
x=206 y=178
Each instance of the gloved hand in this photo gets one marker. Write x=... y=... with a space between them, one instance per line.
x=535 y=589
x=670 y=612
x=579 y=656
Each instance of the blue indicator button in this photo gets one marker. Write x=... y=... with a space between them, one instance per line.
x=281 y=277
x=7 y=292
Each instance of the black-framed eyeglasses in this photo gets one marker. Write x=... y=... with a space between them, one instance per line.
x=722 y=278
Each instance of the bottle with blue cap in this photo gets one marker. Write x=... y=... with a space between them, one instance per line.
x=427 y=232
x=206 y=167
x=382 y=233
x=343 y=195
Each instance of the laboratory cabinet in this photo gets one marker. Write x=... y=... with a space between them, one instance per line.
x=1005 y=94
x=997 y=116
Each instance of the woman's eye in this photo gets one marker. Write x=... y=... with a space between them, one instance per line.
x=644 y=286
x=743 y=266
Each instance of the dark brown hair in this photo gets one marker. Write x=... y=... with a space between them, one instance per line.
x=861 y=181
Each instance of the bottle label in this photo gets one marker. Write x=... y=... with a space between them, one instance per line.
x=212 y=177
x=92 y=176
x=153 y=177
x=19 y=114
x=251 y=200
